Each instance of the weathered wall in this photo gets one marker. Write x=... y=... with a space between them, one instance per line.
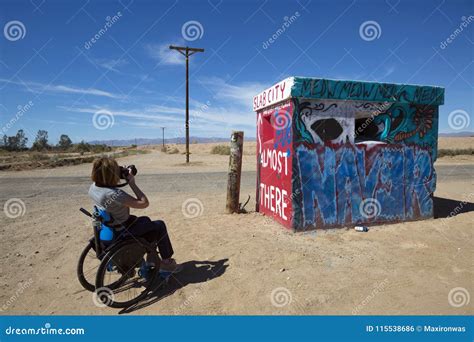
x=339 y=181
x=337 y=185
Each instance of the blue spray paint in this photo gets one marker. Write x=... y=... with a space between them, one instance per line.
x=335 y=180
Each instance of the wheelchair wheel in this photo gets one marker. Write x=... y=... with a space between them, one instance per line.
x=128 y=283
x=87 y=267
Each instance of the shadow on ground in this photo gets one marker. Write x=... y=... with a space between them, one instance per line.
x=445 y=207
x=193 y=272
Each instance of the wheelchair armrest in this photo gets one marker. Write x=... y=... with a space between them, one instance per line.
x=85 y=212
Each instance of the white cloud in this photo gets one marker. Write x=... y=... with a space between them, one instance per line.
x=229 y=109
x=162 y=54
x=241 y=95
x=118 y=65
x=36 y=87
x=152 y=115
x=74 y=90
x=111 y=64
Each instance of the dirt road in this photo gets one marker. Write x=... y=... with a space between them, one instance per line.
x=209 y=182
x=238 y=264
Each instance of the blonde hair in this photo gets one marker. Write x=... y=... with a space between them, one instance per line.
x=105 y=172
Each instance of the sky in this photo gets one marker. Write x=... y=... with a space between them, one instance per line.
x=100 y=70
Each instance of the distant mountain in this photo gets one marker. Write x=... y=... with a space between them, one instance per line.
x=457 y=134
x=157 y=141
x=182 y=140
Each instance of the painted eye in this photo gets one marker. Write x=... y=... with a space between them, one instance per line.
x=327 y=129
x=368 y=129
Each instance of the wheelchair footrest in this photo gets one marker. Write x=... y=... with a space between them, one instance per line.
x=165 y=275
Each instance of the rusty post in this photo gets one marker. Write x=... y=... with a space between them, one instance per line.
x=235 y=170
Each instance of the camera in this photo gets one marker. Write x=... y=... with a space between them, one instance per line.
x=126 y=170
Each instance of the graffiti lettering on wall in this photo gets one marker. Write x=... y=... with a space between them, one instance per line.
x=366 y=91
x=275 y=160
x=273 y=95
x=334 y=180
x=274 y=149
x=274 y=199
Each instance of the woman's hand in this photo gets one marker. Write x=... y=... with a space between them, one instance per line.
x=141 y=201
x=130 y=178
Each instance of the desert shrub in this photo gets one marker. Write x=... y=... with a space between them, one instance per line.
x=221 y=149
x=100 y=148
x=39 y=156
x=173 y=150
x=83 y=147
x=127 y=153
x=455 y=152
x=163 y=149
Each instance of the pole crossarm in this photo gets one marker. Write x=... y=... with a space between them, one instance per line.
x=186 y=49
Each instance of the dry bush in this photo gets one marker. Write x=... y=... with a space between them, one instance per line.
x=221 y=149
x=455 y=152
x=173 y=150
x=39 y=156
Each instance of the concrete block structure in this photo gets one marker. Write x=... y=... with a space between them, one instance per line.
x=334 y=153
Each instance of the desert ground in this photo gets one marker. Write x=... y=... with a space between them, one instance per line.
x=240 y=263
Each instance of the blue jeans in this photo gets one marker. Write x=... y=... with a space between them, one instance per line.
x=154 y=232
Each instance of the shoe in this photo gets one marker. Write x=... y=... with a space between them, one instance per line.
x=171 y=267
x=146 y=271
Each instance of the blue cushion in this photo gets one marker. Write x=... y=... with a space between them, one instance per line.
x=106 y=233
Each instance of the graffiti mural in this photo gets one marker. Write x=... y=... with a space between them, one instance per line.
x=334 y=180
x=366 y=91
x=326 y=121
x=409 y=124
x=339 y=153
x=329 y=121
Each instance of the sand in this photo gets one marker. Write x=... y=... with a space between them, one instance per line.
x=237 y=264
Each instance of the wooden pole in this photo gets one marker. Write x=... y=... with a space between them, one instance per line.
x=235 y=170
x=186 y=52
x=187 y=105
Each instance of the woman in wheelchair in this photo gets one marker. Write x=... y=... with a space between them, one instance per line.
x=107 y=196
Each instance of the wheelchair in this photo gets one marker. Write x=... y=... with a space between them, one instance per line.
x=117 y=268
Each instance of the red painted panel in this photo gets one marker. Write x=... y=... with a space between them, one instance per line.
x=274 y=162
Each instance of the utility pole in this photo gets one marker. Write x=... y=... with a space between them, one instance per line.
x=163 y=136
x=186 y=52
